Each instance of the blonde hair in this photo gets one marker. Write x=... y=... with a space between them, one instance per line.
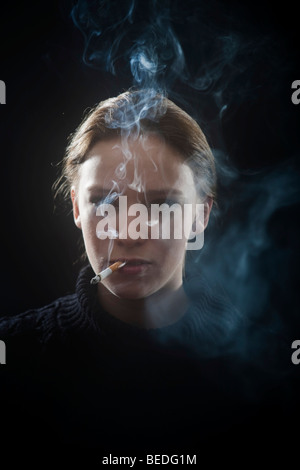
x=140 y=112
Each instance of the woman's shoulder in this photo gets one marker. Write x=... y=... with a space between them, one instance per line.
x=40 y=323
x=223 y=330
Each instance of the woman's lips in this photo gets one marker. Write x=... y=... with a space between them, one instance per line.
x=134 y=266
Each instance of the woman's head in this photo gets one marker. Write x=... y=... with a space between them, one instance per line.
x=138 y=148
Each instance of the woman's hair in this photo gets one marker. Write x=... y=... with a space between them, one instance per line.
x=135 y=113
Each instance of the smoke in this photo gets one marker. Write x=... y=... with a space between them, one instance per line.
x=212 y=60
x=130 y=35
x=243 y=244
x=147 y=104
x=145 y=41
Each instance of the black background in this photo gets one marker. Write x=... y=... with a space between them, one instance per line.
x=48 y=88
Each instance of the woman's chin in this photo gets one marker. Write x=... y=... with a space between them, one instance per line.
x=130 y=295
x=129 y=292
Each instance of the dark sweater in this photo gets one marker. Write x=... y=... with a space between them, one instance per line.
x=87 y=379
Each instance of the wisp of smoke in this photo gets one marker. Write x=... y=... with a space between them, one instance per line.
x=140 y=39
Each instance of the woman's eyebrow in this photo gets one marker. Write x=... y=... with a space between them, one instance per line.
x=98 y=189
x=164 y=192
x=149 y=192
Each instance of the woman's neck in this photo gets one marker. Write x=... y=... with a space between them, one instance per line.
x=161 y=309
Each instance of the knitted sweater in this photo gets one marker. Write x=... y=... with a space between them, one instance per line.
x=87 y=379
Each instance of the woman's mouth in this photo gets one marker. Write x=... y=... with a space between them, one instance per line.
x=134 y=266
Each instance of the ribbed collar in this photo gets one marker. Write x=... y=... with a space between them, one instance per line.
x=204 y=328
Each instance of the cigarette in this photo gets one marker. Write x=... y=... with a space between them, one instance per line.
x=107 y=272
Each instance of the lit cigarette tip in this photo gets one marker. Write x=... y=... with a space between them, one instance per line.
x=107 y=272
x=121 y=265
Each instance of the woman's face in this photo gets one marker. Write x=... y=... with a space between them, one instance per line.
x=146 y=171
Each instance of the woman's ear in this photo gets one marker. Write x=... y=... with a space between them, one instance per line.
x=207 y=210
x=202 y=217
x=76 y=213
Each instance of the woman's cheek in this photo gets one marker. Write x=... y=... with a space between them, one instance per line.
x=170 y=252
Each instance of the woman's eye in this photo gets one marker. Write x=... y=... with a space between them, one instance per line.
x=109 y=199
x=97 y=202
x=169 y=202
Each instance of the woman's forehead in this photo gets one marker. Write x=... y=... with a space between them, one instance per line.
x=146 y=149
x=147 y=161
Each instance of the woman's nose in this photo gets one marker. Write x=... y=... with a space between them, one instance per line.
x=133 y=228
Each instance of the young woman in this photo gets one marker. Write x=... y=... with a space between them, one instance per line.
x=161 y=157
x=135 y=361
